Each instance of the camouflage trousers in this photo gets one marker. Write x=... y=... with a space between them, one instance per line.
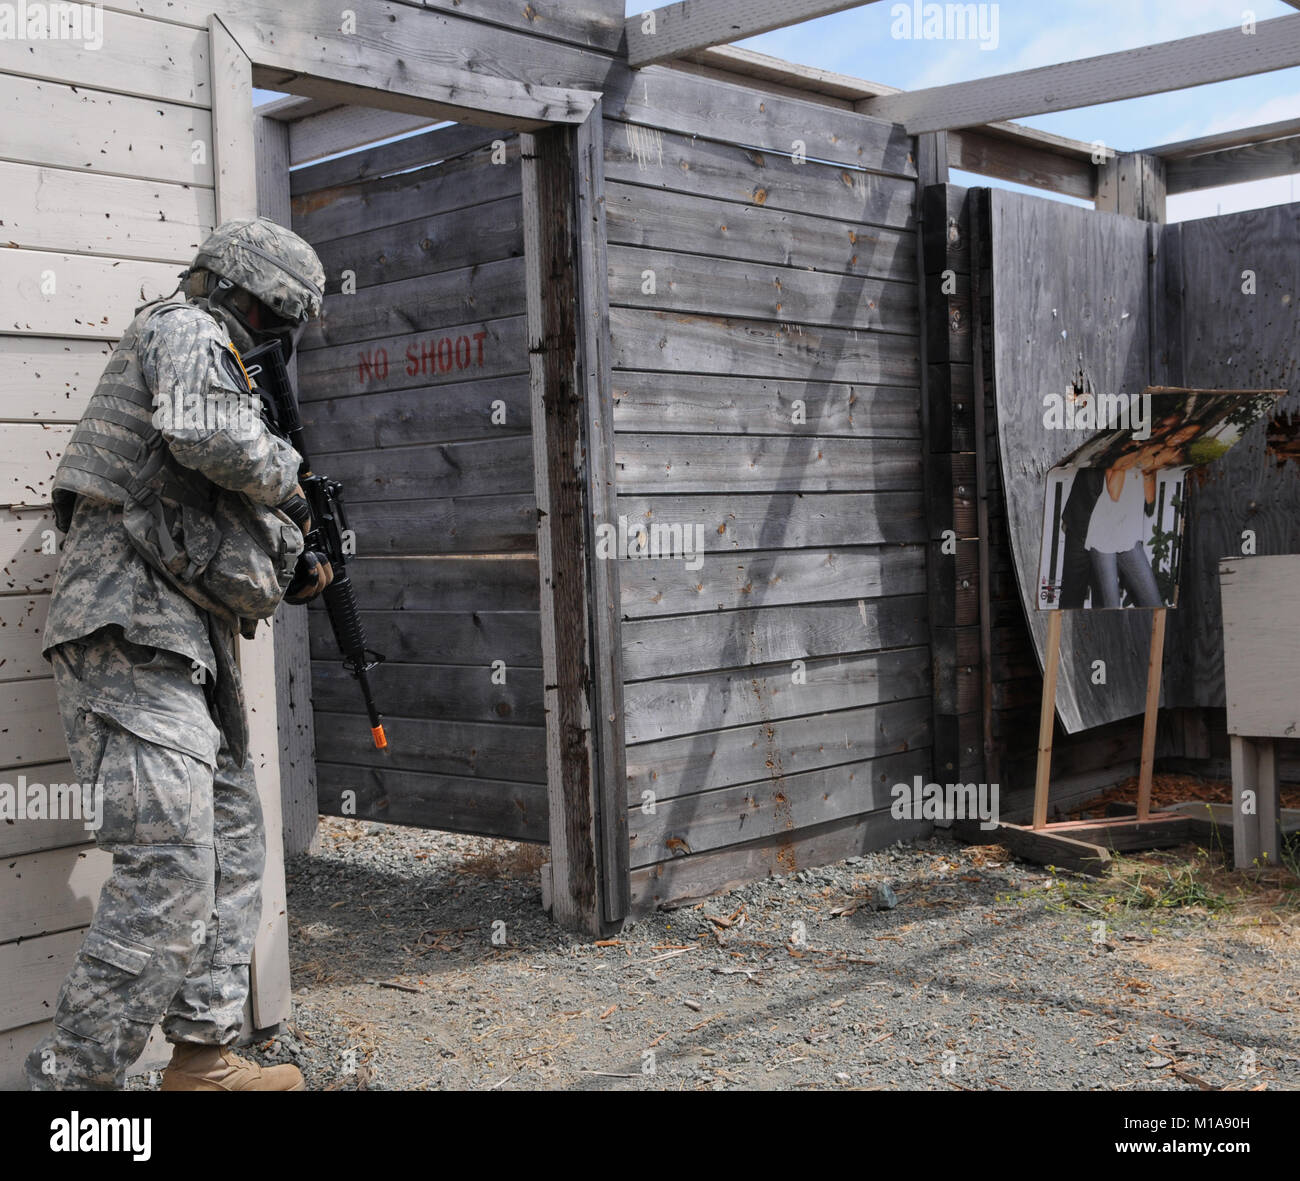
x=172 y=936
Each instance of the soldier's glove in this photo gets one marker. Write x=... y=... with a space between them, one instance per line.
x=311 y=576
x=297 y=509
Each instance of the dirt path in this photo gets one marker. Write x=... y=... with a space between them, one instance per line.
x=987 y=974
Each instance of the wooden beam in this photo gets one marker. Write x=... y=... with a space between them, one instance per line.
x=1020 y=160
x=573 y=480
x=678 y=29
x=1047 y=717
x=340 y=129
x=1152 y=69
x=1234 y=166
x=293 y=107
x=1226 y=139
x=1132 y=183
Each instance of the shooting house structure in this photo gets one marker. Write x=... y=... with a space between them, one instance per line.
x=629 y=293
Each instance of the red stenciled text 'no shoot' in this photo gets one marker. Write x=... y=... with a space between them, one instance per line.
x=427 y=358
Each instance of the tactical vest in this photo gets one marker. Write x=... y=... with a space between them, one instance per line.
x=116 y=453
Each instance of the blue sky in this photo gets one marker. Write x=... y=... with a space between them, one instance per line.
x=1033 y=33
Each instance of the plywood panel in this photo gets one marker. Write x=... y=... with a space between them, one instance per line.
x=48 y=123
x=1230 y=339
x=1070 y=293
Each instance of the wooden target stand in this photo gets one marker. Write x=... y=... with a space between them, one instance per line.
x=1086 y=845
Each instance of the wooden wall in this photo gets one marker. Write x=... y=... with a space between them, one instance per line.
x=105 y=193
x=415 y=396
x=1231 y=338
x=776 y=693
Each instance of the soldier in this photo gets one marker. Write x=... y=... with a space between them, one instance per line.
x=184 y=523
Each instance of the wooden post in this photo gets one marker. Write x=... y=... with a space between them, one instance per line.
x=1155 y=660
x=574 y=481
x=1047 y=718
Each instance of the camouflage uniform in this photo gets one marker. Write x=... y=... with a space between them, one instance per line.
x=151 y=703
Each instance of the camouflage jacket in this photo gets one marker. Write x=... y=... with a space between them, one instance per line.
x=102 y=579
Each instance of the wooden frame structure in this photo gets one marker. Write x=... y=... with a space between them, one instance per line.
x=568 y=75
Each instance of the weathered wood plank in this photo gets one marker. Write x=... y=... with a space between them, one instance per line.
x=679 y=283
x=49 y=123
x=52 y=890
x=447 y=692
x=778 y=805
x=489 y=289
x=686 y=879
x=28 y=551
x=716 y=700
x=725 y=582
x=22 y=627
x=463 y=352
x=473 y=750
x=75 y=295
x=594 y=24
x=425 y=245
x=1203 y=144
x=130 y=56
x=48 y=380
x=771 y=750
x=443 y=469
x=648 y=401
x=768 y=635
x=675 y=30
x=514 y=811
x=413 y=151
x=700 y=344
x=466 y=181
x=430 y=583
x=1149 y=69
x=457 y=525
x=706 y=168
x=764 y=463
x=639 y=216
x=31 y=972
x=63 y=210
x=493 y=409
x=29 y=453
x=1279 y=157
x=343 y=129
x=1008 y=159
x=441 y=637
x=787 y=520
x=35 y=834
x=32 y=731
x=671 y=99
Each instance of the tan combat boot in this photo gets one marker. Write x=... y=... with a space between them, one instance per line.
x=218 y=1068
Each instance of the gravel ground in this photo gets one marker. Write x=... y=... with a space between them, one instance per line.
x=987 y=973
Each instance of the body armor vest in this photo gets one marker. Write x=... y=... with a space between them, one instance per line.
x=116 y=453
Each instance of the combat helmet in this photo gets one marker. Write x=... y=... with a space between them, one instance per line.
x=273 y=265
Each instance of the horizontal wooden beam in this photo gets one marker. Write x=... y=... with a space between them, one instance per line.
x=677 y=29
x=1234 y=166
x=1007 y=158
x=292 y=107
x=1226 y=139
x=340 y=129
x=1151 y=69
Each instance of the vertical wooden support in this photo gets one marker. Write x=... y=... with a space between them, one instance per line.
x=1245 y=828
x=233 y=152
x=1155 y=662
x=1047 y=718
x=1132 y=183
x=565 y=275
x=294 y=723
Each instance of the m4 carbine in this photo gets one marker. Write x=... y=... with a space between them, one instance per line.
x=266 y=365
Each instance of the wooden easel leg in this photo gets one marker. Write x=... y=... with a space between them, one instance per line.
x=1047 y=717
x=1267 y=800
x=1155 y=661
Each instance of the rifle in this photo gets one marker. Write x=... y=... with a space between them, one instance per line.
x=329 y=522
